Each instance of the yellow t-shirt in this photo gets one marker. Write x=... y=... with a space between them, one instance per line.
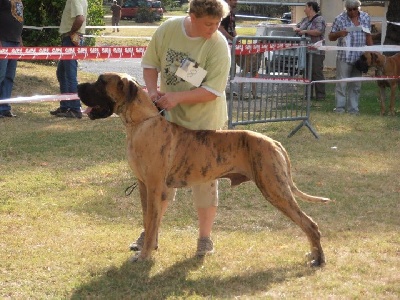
x=72 y=9
x=168 y=47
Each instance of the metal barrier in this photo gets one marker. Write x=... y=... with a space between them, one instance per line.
x=270 y=81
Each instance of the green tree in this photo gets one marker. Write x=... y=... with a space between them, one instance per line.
x=48 y=13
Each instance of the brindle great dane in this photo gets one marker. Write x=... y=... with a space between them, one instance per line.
x=164 y=155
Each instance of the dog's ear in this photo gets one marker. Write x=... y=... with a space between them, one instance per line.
x=363 y=58
x=129 y=88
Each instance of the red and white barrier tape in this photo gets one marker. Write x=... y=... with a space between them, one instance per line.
x=238 y=79
x=305 y=81
x=66 y=53
x=107 y=52
x=90 y=27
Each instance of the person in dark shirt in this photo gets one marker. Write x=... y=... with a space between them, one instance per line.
x=116 y=14
x=228 y=24
x=11 y=24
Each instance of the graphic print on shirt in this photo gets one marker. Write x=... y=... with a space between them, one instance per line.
x=173 y=61
x=17 y=10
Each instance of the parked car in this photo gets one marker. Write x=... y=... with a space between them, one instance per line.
x=284 y=61
x=286 y=18
x=130 y=8
x=158 y=11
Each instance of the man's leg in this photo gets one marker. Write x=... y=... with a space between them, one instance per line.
x=205 y=197
x=354 y=92
x=318 y=74
x=342 y=71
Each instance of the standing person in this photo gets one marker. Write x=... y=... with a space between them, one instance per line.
x=116 y=15
x=72 y=28
x=313 y=26
x=346 y=32
x=228 y=24
x=11 y=24
x=192 y=43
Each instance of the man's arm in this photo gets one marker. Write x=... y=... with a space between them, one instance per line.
x=79 y=20
x=333 y=36
x=225 y=33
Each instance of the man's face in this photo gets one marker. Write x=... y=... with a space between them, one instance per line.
x=352 y=12
x=205 y=26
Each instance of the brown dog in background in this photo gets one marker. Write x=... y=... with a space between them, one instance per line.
x=385 y=66
x=249 y=64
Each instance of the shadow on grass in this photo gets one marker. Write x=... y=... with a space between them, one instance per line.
x=134 y=280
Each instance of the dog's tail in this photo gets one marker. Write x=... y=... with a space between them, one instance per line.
x=306 y=197
x=295 y=190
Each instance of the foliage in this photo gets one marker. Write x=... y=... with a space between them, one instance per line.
x=262 y=10
x=48 y=13
x=144 y=15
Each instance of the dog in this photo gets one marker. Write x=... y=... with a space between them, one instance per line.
x=249 y=64
x=386 y=66
x=164 y=155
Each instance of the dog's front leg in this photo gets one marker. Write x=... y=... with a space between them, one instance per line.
x=382 y=97
x=152 y=218
x=143 y=200
x=393 y=87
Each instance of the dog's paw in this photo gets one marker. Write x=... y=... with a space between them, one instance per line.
x=135 y=257
x=315 y=260
x=139 y=257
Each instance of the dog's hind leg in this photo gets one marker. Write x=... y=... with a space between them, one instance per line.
x=283 y=199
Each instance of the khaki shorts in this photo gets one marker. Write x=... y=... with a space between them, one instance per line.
x=204 y=195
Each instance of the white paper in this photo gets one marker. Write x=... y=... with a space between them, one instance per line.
x=366 y=30
x=358 y=28
x=191 y=73
x=354 y=28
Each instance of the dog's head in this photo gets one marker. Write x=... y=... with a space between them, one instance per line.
x=109 y=93
x=361 y=64
x=369 y=59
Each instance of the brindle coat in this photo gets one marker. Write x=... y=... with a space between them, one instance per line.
x=386 y=66
x=164 y=155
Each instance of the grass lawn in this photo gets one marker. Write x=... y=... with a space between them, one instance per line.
x=66 y=224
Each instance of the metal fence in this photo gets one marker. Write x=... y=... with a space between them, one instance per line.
x=270 y=81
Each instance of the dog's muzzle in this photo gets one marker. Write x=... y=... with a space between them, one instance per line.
x=95 y=97
x=361 y=64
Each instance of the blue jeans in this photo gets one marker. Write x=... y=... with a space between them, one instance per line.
x=67 y=76
x=8 y=68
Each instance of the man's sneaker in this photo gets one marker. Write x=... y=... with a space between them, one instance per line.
x=138 y=245
x=69 y=113
x=204 y=246
x=58 y=110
